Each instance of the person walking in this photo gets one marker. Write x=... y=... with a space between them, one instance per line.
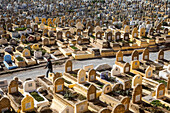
x=49 y=66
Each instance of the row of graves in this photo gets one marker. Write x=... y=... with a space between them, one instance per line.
x=81 y=38
x=139 y=86
x=86 y=38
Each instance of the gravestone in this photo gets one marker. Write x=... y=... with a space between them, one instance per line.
x=35 y=47
x=98 y=35
x=29 y=86
x=142 y=31
x=151 y=31
x=68 y=34
x=126 y=101
x=148 y=72
x=126 y=36
x=59 y=35
x=9 y=27
x=108 y=36
x=160 y=91
x=4 y=104
x=91 y=93
x=166 y=31
x=106 y=88
x=79 y=40
x=45 y=42
x=43 y=21
x=126 y=68
x=27 y=104
x=58 y=85
x=13 y=86
x=26 y=53
x=68 y=66
x=36 y=20
x=81 y=78
x=119 y=56
x=35 y=28
x=23 y=38
x=78 y=31
x=161 y=55
x=137 y=94
x=135 y=55
x=117 y=36
x=135 y=33
x=91 y=75
x=38 y=54
x=45 y=32
x=145 y=54
x=115 y=70
x=31 y=38
x=137 y=79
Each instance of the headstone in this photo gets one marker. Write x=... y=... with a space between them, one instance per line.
x=137 y=94
x=91 y=93
x=45 y=42
x=4 y=104
x=68 y=66
x=142 y=32
x=29 y=86
x=135 y=33
x=160 y=91
x=26 y=53
x=59 y=35
x=13 y=86
x=127 y=29
x=115 y=70
x=81 y=78
x=135 y=55
x=145 y=54
x=58 y=85
x=119 y=56
x=126 y=36
x=126 y=68
x=27 y=104
x=91 y=75
x=117 y=36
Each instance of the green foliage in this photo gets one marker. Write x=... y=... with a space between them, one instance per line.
x=73 y=47
x=157 y=103
x=36 y=96
x=19 y=58
x=21 y=29
x=74 y=75
x=92 y=37
x=69 y=96
x=163 y=81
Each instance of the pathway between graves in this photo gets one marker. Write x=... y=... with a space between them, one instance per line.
x=33 y=73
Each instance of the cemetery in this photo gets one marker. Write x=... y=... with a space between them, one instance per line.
x=100 y=56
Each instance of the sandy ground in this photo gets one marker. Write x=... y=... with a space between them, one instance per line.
x=33 y=73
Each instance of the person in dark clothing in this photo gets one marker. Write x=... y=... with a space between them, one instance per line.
x=49 y=66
